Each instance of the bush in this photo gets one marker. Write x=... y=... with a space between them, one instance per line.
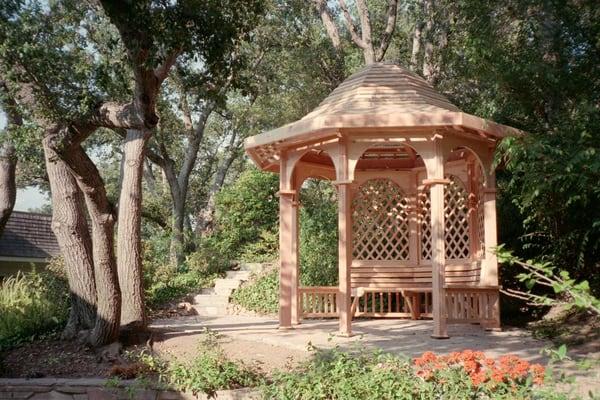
x=163 y=283
x=318 y=234
x=31 y=304
x=262 y=295
x=466 y=375
x=245 y=210
x=208 y=372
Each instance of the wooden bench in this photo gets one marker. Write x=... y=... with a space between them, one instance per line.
x=399 y=289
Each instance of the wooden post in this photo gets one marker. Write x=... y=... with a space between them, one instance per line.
x=288 y=237
x=489 y=270
x=438 y=256
x=344 y=244
x=295 y=261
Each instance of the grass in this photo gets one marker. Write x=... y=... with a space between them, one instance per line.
x=31 y=304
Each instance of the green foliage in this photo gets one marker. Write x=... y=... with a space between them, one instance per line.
x=245 y=210
x=318 y=249
x=208 y=372
x=262 y=295
x=537 y=70
x=365 y=374
x=265 y=249
x=31 y=304
x=163 y=283
x=565 y=290
x=318 y=234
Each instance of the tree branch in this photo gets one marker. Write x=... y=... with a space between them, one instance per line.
x=350 y=25
x=328 y=23
x=386 y=38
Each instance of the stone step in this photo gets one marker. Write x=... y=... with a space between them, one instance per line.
x=207 y=291
x=206 y=310
x=227 y=283
x=241 y=275
x=210 y=300
x=252 y=267
x=223 y=291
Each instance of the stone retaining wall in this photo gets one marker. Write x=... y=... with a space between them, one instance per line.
x=103 y=389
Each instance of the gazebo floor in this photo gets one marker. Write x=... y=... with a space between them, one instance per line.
x=400 y=336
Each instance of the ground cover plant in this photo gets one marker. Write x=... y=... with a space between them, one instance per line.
x=366 y=374
x=208 y=372
x=32 y=304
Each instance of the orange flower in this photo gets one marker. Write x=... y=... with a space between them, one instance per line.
x=538 y=372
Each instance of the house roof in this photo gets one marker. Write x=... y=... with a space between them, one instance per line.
x=380 y=95
x=28 y=235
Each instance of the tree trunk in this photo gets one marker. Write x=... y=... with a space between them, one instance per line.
x=416 y=46
x=177 y=239
x=108 y=316
x=71 y=229
x=428 y=68
x=206 y=215
x=129 y=249
x=8 y=187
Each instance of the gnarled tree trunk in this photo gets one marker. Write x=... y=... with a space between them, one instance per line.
x=71 y=229
x=108 y=315
x=129 y=249
x=8 y=187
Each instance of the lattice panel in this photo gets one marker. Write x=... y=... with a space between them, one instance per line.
x=424 y=206
x=456 y=217
x=380 y=222
x=481 y=221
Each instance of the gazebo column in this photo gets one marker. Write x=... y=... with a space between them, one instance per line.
x=436 y=181
x=344 y=297
x=288 y=252
x=489 y=271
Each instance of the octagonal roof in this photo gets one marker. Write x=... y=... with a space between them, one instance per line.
x=380 y=95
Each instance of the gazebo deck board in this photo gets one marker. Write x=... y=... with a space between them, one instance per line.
x=416 y=196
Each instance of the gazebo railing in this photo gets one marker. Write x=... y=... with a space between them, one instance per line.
x=473 y=304
x=318 y=301
x=392 y=303
x=464 y=304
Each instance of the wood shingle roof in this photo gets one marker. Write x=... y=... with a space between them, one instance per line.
x=28 y=235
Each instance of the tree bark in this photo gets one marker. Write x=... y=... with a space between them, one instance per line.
x=388 y=33
x=428 y=68
x=129 y=249
x=8 y=157
x=416 y=43
x=329 y=24
x=8 y=187
x=108 y=314
x=71 y=230
x=207 y=214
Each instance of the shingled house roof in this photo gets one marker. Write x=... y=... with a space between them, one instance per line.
x=28 y=235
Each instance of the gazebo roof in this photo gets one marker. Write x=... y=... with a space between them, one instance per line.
x=379 y=97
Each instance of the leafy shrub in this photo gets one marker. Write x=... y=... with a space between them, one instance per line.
x=208 y=258
x=245 y=210
x=262 y=295
x=163 y=283
x=318 y=234
x=208 y=372
x=265 y=249
x=467 y=375
x=31 y=304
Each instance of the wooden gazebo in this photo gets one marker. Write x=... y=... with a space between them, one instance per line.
x=417 y=203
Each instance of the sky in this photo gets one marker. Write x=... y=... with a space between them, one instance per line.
x=30 y=197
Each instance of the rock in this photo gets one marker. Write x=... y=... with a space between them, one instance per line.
x=185 y=308
x=111 y=352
